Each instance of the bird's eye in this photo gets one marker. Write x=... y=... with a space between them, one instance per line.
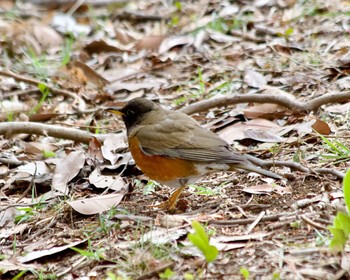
x=130 y=112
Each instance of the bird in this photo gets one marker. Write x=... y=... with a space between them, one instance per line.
x=173 y=149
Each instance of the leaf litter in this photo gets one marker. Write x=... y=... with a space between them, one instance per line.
x=176 y=54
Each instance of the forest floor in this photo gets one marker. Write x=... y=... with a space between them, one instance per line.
x=269 y=77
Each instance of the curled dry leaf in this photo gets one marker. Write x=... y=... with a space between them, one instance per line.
x=254 y=79
x=111 y=145
x=95 y=205
x=113 y=182
x=66 y=170
x=171 y=42
x=48 y=252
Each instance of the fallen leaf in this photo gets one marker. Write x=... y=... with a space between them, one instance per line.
x=48 y=252
x=101 y=46
x=5 y=233
x=161 y=236
x=321 y=127
x=315 y=124
x=170 y=42
x=266 y=189
x=7 y=265
x=124 y=36
x=113 y=182
x=239 y=131
x=34 y=168
x=66 y=23
x=112 y=144
x=66 y=170
x=95 y=205
x=8 y=106
x=94 y=152
x=338 y=108
x=266 y=111
x=90 y=75
x=254 y=79
x=150 y=43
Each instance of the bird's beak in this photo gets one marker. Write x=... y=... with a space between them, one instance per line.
x=115 y=111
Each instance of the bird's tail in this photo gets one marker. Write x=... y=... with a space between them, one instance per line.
x=253 y=168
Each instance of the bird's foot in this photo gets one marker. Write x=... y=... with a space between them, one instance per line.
x=170 y=204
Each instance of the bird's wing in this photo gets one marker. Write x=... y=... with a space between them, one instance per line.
x=184 y=139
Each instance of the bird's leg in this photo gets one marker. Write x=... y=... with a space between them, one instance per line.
x=171 y=202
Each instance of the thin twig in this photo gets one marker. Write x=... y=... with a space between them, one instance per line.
x=312 y=223
x=228 y=223
x=257 y=220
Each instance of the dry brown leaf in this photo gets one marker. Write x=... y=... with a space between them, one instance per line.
x=7 y=217
x=112 y=144
x=37 y=148
x=266 y=111
x=36 y=168
x=171 y=42
x=150 y=43
x=313 y=125
x=8 y=106
x=66 y=170
x=238 y=131
x=12 y=265
x=46 y=36
x=113 y=182
x=86 y=74
x=66 y=23
x=94 y=152
x=338 y=108
x=226 y=243
x=266 y=189
x=6 y=232
x=48 y=252
x=116 y=74
x=254 y=79
x=262 y=136
x=95 y=205
x=321 y=127
x=101 y=46
x=43 y=117
x=163 y=235
x=124 y=36
x=117 y=86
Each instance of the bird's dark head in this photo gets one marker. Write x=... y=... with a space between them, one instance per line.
x=134 y=111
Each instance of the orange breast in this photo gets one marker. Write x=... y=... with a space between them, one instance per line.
x=161 y=168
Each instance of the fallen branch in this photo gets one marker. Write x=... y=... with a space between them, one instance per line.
x=80 y=101
x=286 y=100
x=76 y=135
